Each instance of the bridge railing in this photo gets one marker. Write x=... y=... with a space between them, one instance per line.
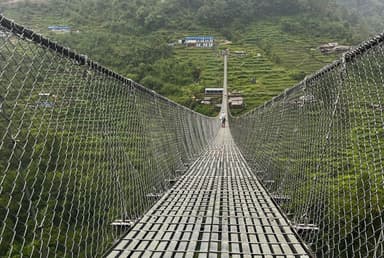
x=84 y=151
x=319 y=149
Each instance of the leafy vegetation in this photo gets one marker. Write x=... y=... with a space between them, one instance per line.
x=80 y=150
x=331 y=173
x=365 y=15
x=133 y=38
x=136 y=38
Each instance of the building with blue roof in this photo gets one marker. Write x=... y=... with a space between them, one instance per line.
x=198 y=41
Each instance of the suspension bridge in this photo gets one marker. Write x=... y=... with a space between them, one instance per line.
x=94 y=164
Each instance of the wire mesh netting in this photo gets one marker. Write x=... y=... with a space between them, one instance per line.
x=83 y=150
x=318 y=148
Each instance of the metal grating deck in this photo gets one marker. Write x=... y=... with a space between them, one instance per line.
x=217 y=209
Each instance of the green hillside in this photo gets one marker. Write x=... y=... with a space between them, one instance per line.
x=369 y=12
x=133 y=38
x=274 y=58
x=273 y=44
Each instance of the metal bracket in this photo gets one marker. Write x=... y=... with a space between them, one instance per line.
x=154 y=196
x=122 y=223
x=305 y=228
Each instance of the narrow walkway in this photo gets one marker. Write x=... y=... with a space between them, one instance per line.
x=217 y=209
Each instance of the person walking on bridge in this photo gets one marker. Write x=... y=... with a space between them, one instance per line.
x=222 y=119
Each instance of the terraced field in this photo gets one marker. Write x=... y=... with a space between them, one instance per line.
x=292 y=51
x=208 y=59
x=274 y=61
x=211 y=65
x=255 y=75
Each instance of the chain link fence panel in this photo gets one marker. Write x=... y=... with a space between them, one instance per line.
x=318 y=148
x=84 y=152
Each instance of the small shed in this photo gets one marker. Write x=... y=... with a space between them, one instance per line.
x=59 y=28
x=236 y=102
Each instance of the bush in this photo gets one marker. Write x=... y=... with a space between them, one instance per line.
x=298 y=75
x=151 y=82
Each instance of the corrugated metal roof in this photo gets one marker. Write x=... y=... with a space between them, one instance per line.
x=214 y=89
x=200 y=38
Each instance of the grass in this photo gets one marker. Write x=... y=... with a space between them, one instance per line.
x=276 y=59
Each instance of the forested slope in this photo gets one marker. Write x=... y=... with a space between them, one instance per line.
x=132 y=37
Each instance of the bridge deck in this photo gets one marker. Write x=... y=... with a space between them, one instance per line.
x=217 y=209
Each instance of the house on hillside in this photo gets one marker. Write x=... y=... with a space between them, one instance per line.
x=198 y=41
x=333 y=47
x=328 y=46
x=59 y=28
x=236 y=102
x=213 y=91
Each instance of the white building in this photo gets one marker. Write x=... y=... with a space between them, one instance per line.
x=213 y=91
x=200 y=41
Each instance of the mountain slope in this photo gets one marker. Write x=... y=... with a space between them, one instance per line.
x=369 y=13
x=132 y=37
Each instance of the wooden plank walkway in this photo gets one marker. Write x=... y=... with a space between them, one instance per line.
x=217 y=209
